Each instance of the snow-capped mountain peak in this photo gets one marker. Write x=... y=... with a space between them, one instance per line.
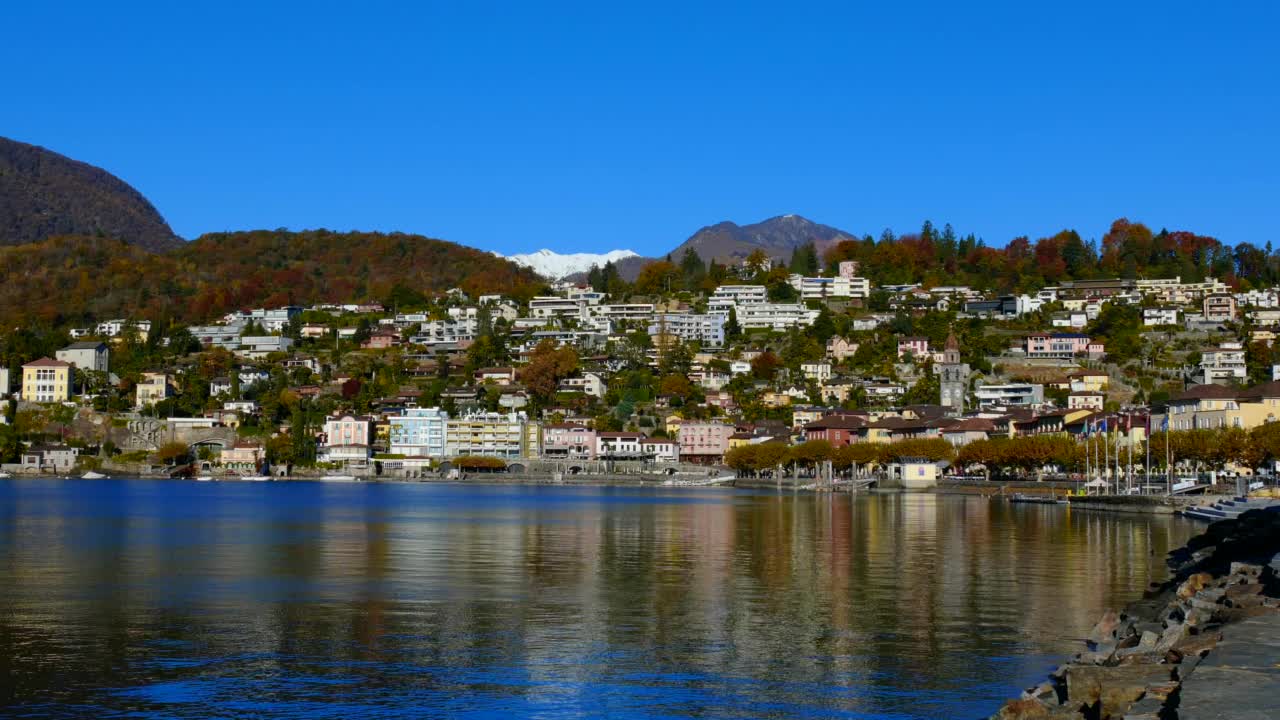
x=554 y=265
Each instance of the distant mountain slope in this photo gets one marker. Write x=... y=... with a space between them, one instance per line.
x=554 y=265
x=777 y=236
x=43 y=194
x=74 y=279
x=729 y=243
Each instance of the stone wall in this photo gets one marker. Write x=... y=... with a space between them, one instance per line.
x=1141 y=663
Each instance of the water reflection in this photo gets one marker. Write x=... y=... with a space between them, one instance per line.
x=326 y=600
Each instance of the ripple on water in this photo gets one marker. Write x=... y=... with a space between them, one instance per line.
x=166 y=600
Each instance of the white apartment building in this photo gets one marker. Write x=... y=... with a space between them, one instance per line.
x=728 y=296
x=1259 y=299
x=439 y=332
x=775 y=316
x=619 y=444
x=627 y=311
x=821 y=288
x=113 y=328
x=262 y=345
x=1223 y=365
x=706 y=329
x=1010 y=394
x=550 y=306
x=1155 y=316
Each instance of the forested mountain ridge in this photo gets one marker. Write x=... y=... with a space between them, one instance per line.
x=43 y=194
x=778 y=237
x=77 y=279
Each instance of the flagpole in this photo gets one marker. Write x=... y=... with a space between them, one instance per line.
x=1086 y=456
x=1146 y=471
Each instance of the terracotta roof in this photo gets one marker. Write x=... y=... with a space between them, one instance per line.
x=47 y=362
x=1265 y=390
x=838 y=422
x=971 y=425
x=1206 y=392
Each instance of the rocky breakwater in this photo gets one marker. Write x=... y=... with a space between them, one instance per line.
x=1205 y=643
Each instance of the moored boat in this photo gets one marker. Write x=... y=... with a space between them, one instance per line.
x=91 y=475
x=1037 y=499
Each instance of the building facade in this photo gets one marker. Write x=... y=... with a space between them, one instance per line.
x=151 y=389
x=568 y=442
x=47 y=381
x=347 y=439
x=418 y=432
x=503 y=435
x=86 y=355
x=704 y=442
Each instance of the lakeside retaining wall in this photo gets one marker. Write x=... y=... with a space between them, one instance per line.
x=1145 y=661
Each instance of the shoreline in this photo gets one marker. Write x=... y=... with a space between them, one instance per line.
x=1204 y=642
x=1129 y=504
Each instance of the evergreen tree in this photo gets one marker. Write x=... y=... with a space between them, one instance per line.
x=692 y=267
x=824 y=327
x=732 y=330
x=804 y=260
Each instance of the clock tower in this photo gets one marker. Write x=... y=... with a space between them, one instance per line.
x=954 y=379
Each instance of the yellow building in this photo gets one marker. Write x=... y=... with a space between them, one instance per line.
x=151 y=389
x=504 y=435
x=673 y=423
x=1205 y=407
x=773 y=399
x=46 y=381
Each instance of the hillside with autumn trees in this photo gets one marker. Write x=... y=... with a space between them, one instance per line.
x=75 y=279
x=937 y=257
x=1127 y=250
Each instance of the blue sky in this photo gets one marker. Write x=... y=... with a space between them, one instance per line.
x=592 y=126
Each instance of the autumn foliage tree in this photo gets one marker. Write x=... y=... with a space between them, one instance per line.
x=549 y=363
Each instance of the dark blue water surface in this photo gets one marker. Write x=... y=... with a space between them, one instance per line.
x=168 y=599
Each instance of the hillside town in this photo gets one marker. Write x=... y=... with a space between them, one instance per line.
x=769 y=370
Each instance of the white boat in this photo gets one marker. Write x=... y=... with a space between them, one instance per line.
x=339 y=478
x=256 y=478
x=91 y=475
x=4 y=476
x=204 y=478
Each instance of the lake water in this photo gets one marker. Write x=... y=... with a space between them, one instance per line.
x=165 y=599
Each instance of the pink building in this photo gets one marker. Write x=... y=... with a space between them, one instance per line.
x=1061 y=345
x=704 y=442
x=381 y=340
x=346 y=439
x=568 y=442
x=917 y=346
